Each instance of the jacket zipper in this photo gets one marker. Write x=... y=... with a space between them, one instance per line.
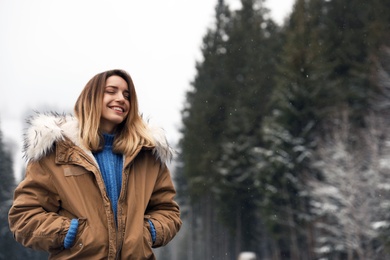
x=120 y=225
x=105 y=196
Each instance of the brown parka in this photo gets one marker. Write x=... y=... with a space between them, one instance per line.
x=63 y=182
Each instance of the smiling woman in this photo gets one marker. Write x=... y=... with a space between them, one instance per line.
x=97 y=184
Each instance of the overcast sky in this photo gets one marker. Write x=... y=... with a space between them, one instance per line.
x=49 y=49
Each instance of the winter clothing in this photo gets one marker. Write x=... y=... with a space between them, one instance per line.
x=63 y=182
x=110 y=165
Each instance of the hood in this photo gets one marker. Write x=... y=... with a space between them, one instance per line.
x=46 y=129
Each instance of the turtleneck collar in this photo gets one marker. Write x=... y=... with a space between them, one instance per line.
x=108 y=140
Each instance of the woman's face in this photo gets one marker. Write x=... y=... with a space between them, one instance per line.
x=116 y=104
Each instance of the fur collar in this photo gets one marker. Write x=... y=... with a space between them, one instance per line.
x=46 y=129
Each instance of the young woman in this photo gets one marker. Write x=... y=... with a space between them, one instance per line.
x=96 y=185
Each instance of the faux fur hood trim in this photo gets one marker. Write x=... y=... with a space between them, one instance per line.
x=46 y=129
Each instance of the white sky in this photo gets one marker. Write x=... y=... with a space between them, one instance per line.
x=49 y=49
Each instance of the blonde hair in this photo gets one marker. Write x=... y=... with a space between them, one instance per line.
x=131 y=133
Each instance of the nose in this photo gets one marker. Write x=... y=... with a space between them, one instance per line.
x=120 y=97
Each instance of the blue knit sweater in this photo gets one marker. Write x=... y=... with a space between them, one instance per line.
x=111 y=165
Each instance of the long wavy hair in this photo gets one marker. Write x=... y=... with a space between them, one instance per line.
x=131 y=133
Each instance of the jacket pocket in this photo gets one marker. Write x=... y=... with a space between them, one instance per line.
x=80 y=230
x=65 y=253
x=78 y=242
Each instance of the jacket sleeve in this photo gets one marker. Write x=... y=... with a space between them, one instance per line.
x=163 y=210
x=33 y=217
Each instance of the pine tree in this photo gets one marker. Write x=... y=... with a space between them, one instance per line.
x=204 y=119
x=252 y=53
x=221 y=126
x=301 y=99
x=354 y=33
x=204 y=114
x=359 y=40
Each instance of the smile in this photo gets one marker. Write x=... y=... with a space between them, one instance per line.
x=119 y=109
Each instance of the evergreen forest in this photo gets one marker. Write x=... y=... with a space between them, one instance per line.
x=284 y=147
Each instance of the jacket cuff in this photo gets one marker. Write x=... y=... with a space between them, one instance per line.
x=152 y=231
x=72 y=232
